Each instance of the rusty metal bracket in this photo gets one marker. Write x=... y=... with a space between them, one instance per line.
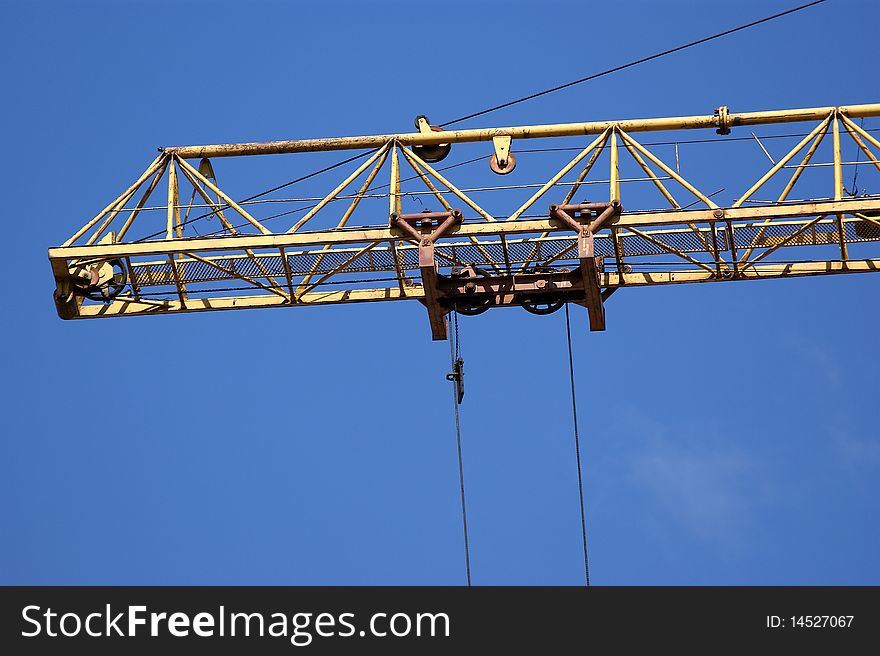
x=589 y=266
x=531 y=289
x=426 y=228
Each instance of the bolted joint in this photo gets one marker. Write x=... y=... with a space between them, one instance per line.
x=722 y=119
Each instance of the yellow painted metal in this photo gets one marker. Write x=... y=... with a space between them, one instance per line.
x=585 y=171
x=558 y=176
x=394 y=194
x=216 y=208
x=670 y=249
x=614 y=176
x=795 y=176
x=654 y=179
x=598 y=146
x=210 y=185
x=472 y=228
x=838 y=184
x=782 y=162
x=157 y=176
x=670 y=172
x=173 y=201
x=446 y=206
x=338 y=268
x=297 y=268
x=363 y=190
x=122 y=198
x=418 y=161
x=857 y=129
x=861 y=144
x=501 y=145
x=783 y=242
x=521 y=132
x=340 y=187
x=648 y=171
x=638 y=279
x=240 y=276
x=344 y=220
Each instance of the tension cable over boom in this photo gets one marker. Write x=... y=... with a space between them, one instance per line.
x=631 y=64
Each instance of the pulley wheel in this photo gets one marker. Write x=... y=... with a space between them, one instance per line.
x=470 y=306
x=542 y=306
x=509 y=165
x=106 y=291
x=434 y=152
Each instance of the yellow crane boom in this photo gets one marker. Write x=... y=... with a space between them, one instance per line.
x=460 y=256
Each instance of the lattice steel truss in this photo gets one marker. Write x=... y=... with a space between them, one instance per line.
x=578 y=252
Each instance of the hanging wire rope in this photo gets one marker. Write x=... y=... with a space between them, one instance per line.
x=577 y=447
x=632 y=63
x=455 y=358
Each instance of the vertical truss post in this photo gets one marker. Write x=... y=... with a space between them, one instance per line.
x=173 y=200
x=614 y=178
x=782 y=162
x=394 y=204
x=838 y=186
x=586 y=170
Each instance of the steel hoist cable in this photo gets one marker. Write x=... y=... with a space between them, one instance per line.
x=577 y=447
x=457 y=393
x=633 y=63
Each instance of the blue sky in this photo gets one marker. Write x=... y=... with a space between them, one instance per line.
x=729 y=431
